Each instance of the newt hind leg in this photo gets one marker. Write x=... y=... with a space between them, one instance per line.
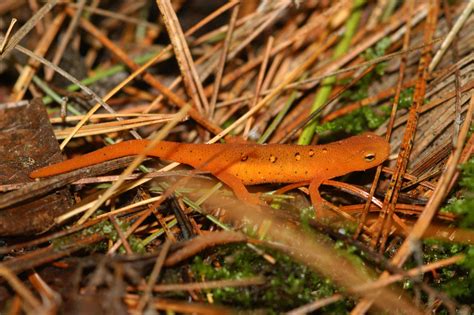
x=317 y=201
x=287 y=188
x=238 y=188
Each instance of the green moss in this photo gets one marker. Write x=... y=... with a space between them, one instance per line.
x=353 y=123
x=108 y=231
x=457 y=280
x=361 y=89
x=378 y=50
x=463 y=206
x=406 y=98
x=289 y=284
x=307 y=214
x=366 y=118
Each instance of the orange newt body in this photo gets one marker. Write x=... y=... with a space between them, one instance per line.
x=248 y=164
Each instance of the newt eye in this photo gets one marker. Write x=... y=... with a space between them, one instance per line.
x=369 y=157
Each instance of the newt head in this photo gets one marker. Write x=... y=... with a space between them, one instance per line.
x=368 y=150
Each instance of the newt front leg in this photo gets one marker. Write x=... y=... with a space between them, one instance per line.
x=238 y=188
x=316 y=200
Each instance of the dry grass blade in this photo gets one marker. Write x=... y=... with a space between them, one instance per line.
x=190 y=76
x=110 y=127
x=316 y=305
x=150 y=79
x=7 y=35
x=452 y=34
x=27 y=27
x=65 y=40
x=222 y=60
x=136 y=162
x=69 y=77
x=29 y=71
x=32 y=303
x=209 y=284
x=413 y=273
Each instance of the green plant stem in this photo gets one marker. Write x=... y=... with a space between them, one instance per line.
x=326 y=85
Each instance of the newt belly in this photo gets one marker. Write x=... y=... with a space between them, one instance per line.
x=247 y=164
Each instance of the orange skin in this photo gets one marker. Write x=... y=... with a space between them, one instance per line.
x=238 y=165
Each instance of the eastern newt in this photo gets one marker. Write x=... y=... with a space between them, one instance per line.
x=238 y=165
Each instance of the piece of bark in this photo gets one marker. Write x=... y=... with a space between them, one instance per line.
x=27 y=142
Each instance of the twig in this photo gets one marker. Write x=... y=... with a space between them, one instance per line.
x=121 y=235
x=201 y=242
x=155 y=273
